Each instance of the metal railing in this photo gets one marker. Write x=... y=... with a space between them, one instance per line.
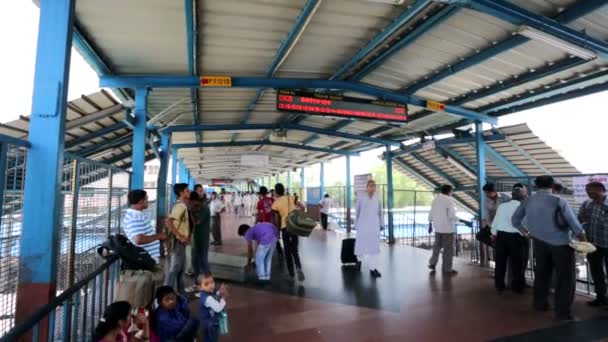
x=94 y=197
x=73 y=314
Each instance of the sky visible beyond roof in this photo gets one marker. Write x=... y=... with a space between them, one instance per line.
x=577 y=129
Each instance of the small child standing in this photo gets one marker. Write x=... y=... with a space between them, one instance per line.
x=265 y=234
x=172 y=317
x=212 y=304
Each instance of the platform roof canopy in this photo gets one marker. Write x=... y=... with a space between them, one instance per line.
x=476 y=56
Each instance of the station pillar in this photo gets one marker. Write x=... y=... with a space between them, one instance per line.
x=389 y=194
x=43 y=205
x=302 y=185
x=481 y=179
x=140 y=133
x=161 y=184
x=348 y=196
x=322 y=178
x=173 y=173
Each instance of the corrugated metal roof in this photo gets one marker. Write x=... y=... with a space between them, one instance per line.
x=88 y=120
x=521 y=147
x=242 y=37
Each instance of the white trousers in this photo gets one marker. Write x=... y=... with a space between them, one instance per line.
x=369 y=260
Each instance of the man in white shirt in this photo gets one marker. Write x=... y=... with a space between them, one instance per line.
x=216 y=206
x=510 y=243
x=137 y=226
x=324 y=206
x=443 y=219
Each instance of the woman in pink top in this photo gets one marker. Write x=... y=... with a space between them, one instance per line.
x=117 y=325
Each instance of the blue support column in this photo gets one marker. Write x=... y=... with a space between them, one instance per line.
x=161 y=185
x=322 y=179
x=302 y=180
x=183 y=172
x=480 y=147
x=348 y=195
x=42 y=207
x=173 y=173
x=481 y=165
x=389 y=194
x=191 y=180
x=139 y=138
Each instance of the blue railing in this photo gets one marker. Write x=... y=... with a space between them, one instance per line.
x=73 y=314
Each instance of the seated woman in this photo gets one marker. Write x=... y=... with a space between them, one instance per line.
x=118 y=325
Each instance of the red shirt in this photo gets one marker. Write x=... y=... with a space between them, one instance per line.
x=265 y=209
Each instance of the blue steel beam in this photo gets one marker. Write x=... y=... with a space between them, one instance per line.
x=574 y=12
x=518 y=16
x=554 y=99
x=42 y=224
x=106 y=145
x=542 y=93
x=390 y=195
x=445 y=142
x=501 y=161
x=379 y=40
x=440 y=17
x=410 y=13
x=284 y=49
x=93 y=58
x=96 y=134
x=161 y=208
x=265 y=142
x=458 y=157
x=331 y=131
x=435 y=169
x=257 y=82
x=337 y=125
x=481 y=148
x=191 y=34
x=139 y=138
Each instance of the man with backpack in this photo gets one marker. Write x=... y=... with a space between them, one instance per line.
x=179 y=237
x=137 y=225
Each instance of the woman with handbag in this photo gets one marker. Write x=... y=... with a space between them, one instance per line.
x=282 y=206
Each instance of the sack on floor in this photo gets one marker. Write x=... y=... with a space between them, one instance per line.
x=132 y=257
x=347 y=254
x=300 y=224
x=138 y=286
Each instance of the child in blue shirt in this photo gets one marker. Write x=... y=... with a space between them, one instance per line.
x=172 y=317
x=212 y=303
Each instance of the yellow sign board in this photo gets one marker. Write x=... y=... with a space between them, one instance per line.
x=435 y=106
x=216 y=81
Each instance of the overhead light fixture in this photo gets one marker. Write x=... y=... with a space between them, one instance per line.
x=460 y=167
x=543 y=37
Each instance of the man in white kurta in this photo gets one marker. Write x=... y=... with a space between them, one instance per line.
x=367 y=224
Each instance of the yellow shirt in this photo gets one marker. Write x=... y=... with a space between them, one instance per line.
x=179 y=213
x=284 y=207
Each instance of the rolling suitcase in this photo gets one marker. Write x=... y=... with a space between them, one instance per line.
x=347 y=255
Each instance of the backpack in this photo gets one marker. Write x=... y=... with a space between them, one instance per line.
x=133 y=257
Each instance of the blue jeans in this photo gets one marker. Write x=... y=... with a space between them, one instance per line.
x=263 y=260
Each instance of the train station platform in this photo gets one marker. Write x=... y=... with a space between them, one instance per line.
x=339 y=303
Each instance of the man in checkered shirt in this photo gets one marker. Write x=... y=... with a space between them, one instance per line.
x=594 y=217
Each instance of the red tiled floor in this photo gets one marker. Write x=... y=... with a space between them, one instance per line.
x=406 y=304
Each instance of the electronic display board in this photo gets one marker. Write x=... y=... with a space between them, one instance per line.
x=341 y=106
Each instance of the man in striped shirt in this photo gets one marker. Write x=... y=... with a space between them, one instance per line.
x=137 y=225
